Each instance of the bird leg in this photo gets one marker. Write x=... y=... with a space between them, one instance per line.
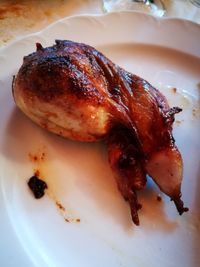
x=126 y=163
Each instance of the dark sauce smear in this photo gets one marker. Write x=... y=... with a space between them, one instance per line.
x=37 y=186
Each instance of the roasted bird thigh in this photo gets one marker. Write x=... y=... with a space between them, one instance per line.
x=73 y=90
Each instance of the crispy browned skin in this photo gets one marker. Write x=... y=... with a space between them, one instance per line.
x=73 y=90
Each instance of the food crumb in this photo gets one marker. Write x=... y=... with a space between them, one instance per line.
x=174 y=90
x=178 y=122
x=37 y=186
x=159 y=198
x=194 y=112
x=42 y=156
x=37 y=157
x=60 y=206
x=78 y=220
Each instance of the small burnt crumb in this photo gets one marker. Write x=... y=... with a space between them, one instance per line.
x=67 y=220
x=78 y=220
x=194 y=112
x=159 y=198
x=178 y=122
x=33 y=158
x=37 y=186
x=42 y=156
x=60 y=206
x=174 y=89
x=37 y=157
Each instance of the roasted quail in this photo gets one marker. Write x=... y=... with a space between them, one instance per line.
x=73 y=90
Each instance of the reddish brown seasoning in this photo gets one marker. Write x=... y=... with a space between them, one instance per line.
x=194 y=112
x=43 y=156
x=33 y=158
x=60 y=206
x=37 y=157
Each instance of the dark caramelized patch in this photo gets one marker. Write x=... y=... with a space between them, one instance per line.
x=56 y=70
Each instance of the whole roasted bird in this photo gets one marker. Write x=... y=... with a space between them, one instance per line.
x=73 y=90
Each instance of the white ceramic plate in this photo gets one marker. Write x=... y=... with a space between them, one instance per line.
x=36 y=232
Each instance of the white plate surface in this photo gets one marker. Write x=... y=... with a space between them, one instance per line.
x=35 y=232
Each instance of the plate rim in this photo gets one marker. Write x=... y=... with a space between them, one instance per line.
x=159 y=20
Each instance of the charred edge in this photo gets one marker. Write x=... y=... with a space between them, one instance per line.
x=135 y=217
x=134 y=214
x=172 y=111
x=13 y=81
x=62 y=42
x=180 y=206
x=57 y=42
x=169 y=115
x=39 y=47
x=135 y=206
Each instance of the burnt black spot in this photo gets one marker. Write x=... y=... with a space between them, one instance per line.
x=37 y=186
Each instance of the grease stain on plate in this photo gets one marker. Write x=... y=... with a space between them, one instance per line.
x=186 y=100
x=41 y=170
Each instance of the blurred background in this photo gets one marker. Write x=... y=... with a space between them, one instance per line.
x=21 y=17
